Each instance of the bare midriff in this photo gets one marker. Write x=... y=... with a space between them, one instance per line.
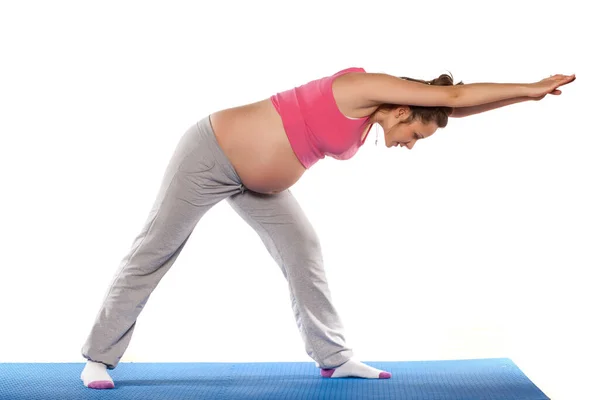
x=253 y=138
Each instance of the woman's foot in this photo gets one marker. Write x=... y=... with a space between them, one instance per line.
x=95 y=376
x=356 y=369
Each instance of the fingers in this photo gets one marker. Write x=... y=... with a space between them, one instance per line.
x=569 y=78
x=561 y=77
x=560 y=80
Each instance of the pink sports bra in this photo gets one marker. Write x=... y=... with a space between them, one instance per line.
x=314 y=124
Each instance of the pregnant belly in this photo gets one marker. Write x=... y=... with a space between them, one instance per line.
x=269 y=170
x=254 y=140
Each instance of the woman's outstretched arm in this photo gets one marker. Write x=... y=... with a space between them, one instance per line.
x=461 y=112
x=375 y=88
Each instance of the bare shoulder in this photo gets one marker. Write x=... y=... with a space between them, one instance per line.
x=348 y=96
x=364 y=90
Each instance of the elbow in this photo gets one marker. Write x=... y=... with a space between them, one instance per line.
x=457 y=113
x=454 y=97
x=452 y=113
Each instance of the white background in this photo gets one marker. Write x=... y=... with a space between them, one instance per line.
x=480 y=242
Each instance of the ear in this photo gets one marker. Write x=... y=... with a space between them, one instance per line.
x=401 y=111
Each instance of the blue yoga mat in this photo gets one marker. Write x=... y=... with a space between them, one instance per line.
x=483 y=379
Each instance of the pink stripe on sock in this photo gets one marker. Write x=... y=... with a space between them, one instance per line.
x=327 y=373
x=101 y=385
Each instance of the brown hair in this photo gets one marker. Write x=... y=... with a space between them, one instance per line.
x=438 y=115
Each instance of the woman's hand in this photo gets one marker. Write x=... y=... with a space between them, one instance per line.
x=550 y=85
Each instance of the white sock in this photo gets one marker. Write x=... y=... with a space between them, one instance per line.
x=95 y=376
x=353 y=368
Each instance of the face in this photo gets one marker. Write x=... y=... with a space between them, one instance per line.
x=404 y=134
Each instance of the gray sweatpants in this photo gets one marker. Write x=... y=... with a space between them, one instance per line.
x=199 y=176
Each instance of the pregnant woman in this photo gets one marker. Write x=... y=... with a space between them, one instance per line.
x=251 y=155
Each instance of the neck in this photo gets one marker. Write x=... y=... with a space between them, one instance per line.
x=376 y=118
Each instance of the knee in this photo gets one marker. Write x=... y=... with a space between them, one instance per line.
x=306 y=234
x=306 y=241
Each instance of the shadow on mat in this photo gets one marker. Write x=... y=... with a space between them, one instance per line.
x=241 y=381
